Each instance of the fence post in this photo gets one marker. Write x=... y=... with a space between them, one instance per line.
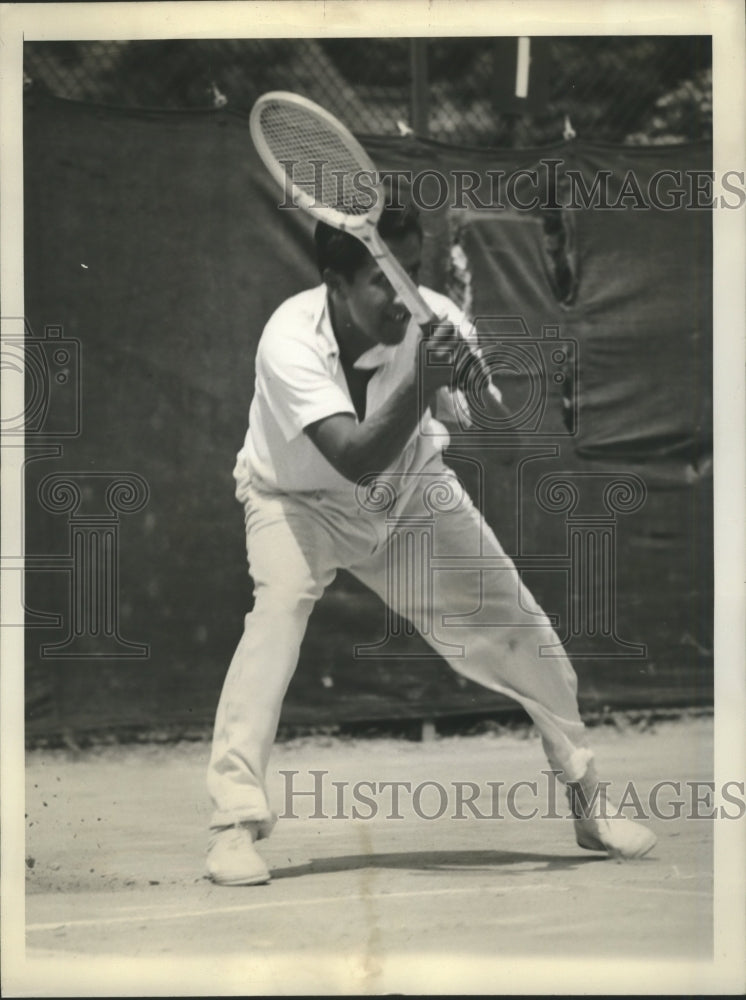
x=419 y=92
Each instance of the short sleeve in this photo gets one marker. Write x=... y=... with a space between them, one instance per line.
x=298 y=384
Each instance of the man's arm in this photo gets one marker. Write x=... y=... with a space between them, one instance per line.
x=355 y=449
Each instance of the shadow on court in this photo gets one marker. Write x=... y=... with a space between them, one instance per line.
x=435 y=861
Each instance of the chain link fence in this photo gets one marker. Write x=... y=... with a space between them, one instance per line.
x=622 y=89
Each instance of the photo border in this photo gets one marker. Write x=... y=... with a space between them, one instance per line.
x=723 y=19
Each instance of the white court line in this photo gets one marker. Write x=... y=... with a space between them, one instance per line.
x=279 y=903
x=247 y=907
x=671 y=892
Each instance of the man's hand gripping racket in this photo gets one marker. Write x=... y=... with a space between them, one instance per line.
x=321 y=165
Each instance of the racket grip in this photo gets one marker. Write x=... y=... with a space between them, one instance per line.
x=398 y=278
x=407 y=290
x=410 y=294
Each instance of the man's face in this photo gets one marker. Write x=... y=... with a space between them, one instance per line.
x=371 y=304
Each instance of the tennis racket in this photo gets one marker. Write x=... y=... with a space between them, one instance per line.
x=322 y=166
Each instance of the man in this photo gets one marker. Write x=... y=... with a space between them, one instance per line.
x=342 y=438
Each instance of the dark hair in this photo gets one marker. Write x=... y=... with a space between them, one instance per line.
x=345 y=254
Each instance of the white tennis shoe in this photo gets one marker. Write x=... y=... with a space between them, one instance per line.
x=604 y=829
x=232 y=858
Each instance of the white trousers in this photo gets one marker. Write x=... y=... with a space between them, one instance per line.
x=421 y=545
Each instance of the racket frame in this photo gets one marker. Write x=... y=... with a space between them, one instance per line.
x=363 y=226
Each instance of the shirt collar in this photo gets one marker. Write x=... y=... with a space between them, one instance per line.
x=376 y=356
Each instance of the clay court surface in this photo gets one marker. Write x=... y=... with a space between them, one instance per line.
x=116 y=838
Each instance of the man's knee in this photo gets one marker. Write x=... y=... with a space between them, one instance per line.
x=285 y=601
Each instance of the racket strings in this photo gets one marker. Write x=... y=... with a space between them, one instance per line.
x=316 y=159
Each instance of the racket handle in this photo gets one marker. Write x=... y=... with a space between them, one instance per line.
x=399 y=279
x=408 y=291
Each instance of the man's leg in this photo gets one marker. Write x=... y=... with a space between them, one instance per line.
x=483 y=621
x=291 y=561
x=489 y=628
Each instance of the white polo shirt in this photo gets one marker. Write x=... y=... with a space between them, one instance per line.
x=300 y=380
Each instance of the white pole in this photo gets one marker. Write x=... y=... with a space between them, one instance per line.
x=521 y=70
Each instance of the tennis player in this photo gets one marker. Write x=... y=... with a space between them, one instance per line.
x=345 y=433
